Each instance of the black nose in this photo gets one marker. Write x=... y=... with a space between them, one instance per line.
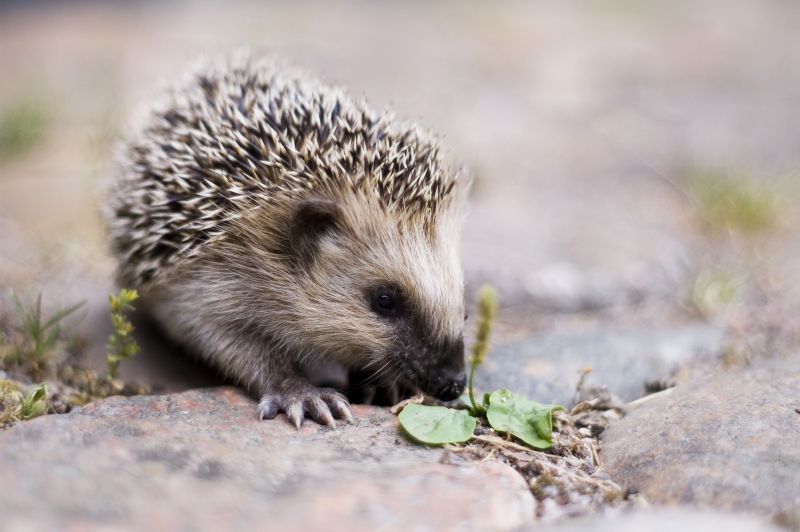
x=452 y=388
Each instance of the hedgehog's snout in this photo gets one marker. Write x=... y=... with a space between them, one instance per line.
x=450 y=379
x=450 y=385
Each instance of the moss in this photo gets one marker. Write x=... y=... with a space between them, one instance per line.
x=10 y=400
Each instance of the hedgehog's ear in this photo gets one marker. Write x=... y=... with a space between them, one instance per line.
x=312 y=218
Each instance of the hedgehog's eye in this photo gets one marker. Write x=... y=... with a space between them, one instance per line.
x=386 y=301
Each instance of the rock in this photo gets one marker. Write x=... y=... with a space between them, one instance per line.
x=664 y=520
x=728 y=441
x=547 y=367
x=200 y=460
x=563 y=287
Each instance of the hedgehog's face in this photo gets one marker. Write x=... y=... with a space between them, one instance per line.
x=421 y=355
x=381 y=294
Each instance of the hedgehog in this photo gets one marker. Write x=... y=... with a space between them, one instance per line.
x=271 y=222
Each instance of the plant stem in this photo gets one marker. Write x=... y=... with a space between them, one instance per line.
x=472 y=369
x=487 y=308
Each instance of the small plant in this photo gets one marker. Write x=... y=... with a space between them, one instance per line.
x=734 y=203
x=34 y=404
x=504 y=411
x=42 y=372
x=16 y=406
x=121 y=344
x=38 y=336
x=487 y=309
x=22 y=126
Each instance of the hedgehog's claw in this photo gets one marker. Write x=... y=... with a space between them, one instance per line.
x=323 y=405
x=319 y=411
x=341 y=409
x=294 y=412
x=268 y=407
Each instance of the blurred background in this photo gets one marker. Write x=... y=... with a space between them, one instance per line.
x=637 y=163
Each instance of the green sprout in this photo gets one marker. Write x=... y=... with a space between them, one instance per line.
x=121 y=344
x=487 y=309
x=34 y=404
x=38 y=335
x=16 y=406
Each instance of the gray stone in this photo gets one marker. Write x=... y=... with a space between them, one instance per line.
x=548 y=367
x=563 y=287
x=728 y=441
x=201 y=461
x=664 y=520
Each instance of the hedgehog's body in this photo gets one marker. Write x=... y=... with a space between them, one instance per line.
x=269 y=220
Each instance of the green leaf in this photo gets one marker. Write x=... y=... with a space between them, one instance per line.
x=62 y=314
x=436 y=425
x=35 y=404
x=527 y=420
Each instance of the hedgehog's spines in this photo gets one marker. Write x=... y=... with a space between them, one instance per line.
x=236 y=134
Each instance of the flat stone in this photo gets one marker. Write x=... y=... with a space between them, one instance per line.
x=200 y=460
x=547 y=367
x=727 y=441
x=664 y=520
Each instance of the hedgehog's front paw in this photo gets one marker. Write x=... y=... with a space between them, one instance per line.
x=320 y=404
